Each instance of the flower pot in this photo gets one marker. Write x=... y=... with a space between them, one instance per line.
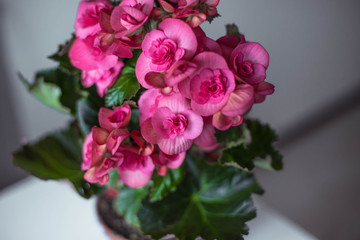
x=115 y=225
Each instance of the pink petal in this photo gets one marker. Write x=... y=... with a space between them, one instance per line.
x=222 y=122
x=149 y=38
x=174 y=146
x=167 y=6
x=115 y=138
x=148 y=131
x=195 y=125
x=252 y=52
x=81 y=56
x=99 y=135
x=134 y=179
x=146 y=148
x=158 y=121
x=207 y=140
x=148 y=103
x=104 y=21
x=240 y=101
x=210 y=60
x=91 y=177
x=181 y=33
x=176 y=103
x=155 y=79
x=177 y=161
x=141 y=69
x=87 y=152
x=106 y=121
x=179 y=72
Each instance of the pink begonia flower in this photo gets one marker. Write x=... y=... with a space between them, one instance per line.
x=162 y=48
x=207 y=140
x=87 y=18
x=101 y=165
x=112 y=45
x=113 y=119
x=249 y=62
x=228 y=43
x=103 y=79
x=136 y=170
x=223 y=122
x=240 y=101
x=210 y=87
x=262 y=90
x=173 y=126
x=129 y=15
x=87 y=152
x=85 y=56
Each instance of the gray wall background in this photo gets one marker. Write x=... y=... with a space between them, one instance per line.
x=315 y=66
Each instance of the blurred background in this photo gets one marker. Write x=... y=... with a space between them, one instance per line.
x=314 y=64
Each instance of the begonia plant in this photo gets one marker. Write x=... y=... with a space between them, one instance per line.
x=160 y=117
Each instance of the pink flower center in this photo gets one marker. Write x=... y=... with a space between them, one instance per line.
x=212 y=85
x=109 y=163
x=176 y=125
x=163 y=52
x=117 y=117
x=245 y=69
x=132 y=161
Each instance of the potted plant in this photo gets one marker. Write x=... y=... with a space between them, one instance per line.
x=160 y=129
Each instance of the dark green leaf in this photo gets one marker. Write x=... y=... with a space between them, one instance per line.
x=213 y=202
x=261 y=146
x=57 y=156
x=128 y=202
x=232 y=29
x=132 y=61
x=211 y=18
x=87 y=116
x=164 y=185
x=124 y=88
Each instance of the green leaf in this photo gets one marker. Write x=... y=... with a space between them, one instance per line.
x=260 y=147
x=233 y=137
x=211 y=18
x=164 y=185
x=57 y=156
x=47 y=93
x=128 y=202
x=87 y=116
x=125 y=87
x=114 y=179
x=56 y=88
x=232 y=29
x=213 y=202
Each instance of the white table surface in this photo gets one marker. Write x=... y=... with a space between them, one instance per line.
x=51 y=210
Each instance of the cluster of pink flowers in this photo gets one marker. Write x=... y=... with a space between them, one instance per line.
x=103 y=34
x=111 y=146
x=194 y=84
